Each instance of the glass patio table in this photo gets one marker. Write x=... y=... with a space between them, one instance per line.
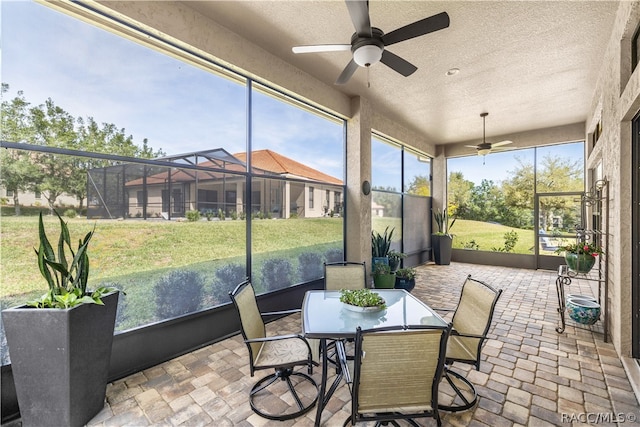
x=325 y=317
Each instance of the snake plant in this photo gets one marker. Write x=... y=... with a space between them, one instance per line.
x=65 y=270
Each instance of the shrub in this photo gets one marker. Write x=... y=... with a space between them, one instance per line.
x=221 y=216
x=227 y=278
x=209 y=215
x=471 y=244
x=309 y=266
x=192 y=216
x=177 y=293
x=70 y=213
x=510 y=240
x=334 y=255
x=276 y=274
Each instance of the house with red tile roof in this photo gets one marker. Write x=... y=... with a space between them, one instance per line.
x=214 y=183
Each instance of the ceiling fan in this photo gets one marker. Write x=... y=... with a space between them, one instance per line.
x=485 y=147
x=368 y=44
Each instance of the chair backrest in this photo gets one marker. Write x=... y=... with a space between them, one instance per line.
x=251 y=323
x=345 y=275
x=474 y=314
x=398 y=368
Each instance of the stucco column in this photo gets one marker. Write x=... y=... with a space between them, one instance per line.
x=439 y=174
x=358 y=220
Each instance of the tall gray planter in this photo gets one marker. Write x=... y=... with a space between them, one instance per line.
x=60 y=360
x=441 y=244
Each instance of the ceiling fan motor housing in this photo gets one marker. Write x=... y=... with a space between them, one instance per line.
x=367 y=50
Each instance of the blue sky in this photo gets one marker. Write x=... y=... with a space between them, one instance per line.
x=177 y=107
x=180 y=108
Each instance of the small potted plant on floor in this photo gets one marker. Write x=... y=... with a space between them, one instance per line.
x=60 y=344
x=394 y=259
x=383 y=278
x=442 y=240
x=406 y=279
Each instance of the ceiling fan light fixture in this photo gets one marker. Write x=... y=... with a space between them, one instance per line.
x=367 y=55
x=483 y=151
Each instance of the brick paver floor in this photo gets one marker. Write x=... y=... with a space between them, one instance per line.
x=530 y=375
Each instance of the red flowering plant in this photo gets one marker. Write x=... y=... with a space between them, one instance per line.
x=580 y=248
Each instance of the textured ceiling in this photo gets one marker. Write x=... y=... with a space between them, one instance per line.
x=530 y=64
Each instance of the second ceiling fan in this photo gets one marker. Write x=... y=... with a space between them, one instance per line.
x=368 y=44
x=485 y=147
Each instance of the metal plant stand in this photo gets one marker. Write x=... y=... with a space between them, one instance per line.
x=594 y=205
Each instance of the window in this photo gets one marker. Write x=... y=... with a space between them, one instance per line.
x=635 y=49
x=9 y=193
x=189 y=107
x=140 y=201
x=494 y=201
x=311 y=193
x=38 y=194
x=400 y=198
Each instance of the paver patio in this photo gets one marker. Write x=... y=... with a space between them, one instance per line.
x=530 y=374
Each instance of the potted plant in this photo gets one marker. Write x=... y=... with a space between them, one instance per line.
x=362 y=298
x=394 y=259
x=580 y=256
x=60 y=344
x=380 y=245
x=442 y=240
x=406 y=279
x=383 y=278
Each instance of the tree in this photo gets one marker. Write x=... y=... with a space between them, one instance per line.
x=54 y=127
x=553 y=175
x=459 y=194
x=50 y=125
x=420 y=186
x=19 y=174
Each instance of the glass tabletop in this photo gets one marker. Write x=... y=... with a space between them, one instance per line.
x=324 y=316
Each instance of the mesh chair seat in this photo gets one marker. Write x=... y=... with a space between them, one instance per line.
x=458 y=350
x=282 y=353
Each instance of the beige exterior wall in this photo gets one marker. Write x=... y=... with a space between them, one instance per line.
x=616 y=101
x=29 y=199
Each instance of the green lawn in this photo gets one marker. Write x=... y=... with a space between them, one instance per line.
x=120 y=248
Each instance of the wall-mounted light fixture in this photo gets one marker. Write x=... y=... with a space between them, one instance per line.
x=366 y=188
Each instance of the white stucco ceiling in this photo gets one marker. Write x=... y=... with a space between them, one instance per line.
x=530 y=64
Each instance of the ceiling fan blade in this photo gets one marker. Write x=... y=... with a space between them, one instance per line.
x=321 y=48
x=498 y=144
x=471 y=146
x=347 y=72
x=398 y=64
x=359 y=12
x=418 y=28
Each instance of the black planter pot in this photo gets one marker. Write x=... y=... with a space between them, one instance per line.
x=60 y=360
x=441 y=244
x=406 y=284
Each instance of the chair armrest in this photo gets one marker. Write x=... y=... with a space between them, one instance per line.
x=275 y=338
x=448 y=310
x=279 y=313
x=456 y=333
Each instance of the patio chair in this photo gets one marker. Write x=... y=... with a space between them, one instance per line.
x=397 y=374
x=471 y=321
x=282 y=353
x=343 y=275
